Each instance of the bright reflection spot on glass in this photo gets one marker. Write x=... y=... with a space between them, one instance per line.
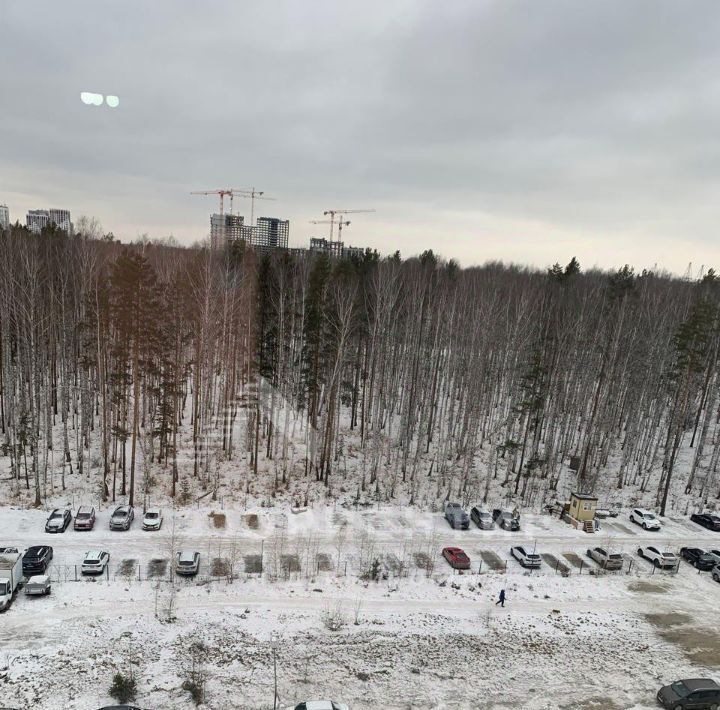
x=112 y=101
x=91 y=99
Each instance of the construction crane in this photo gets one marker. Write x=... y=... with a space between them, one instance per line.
x=253 y=194
x=340 y=225
x=334 y=213
x=230 y=192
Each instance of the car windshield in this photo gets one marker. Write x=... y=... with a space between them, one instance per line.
x=4 y=587
x=615 y=556
x=83 y=514
x=533 y=556
x=187 y=562
x=679 y=688
x=151 y=516
x=649 y=516
x=120 y=513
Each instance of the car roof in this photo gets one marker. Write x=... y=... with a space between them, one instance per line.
x=700 y=683
x=94 y=554
x=454 y=549
x=39 y=579
x=35 y=549
x=84 y=509
x=122 y=509
x=319 y=705
x=186 y=555
x=152 y=510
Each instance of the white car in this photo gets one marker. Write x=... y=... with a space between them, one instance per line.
x=319 y=705
x=38 y=585
x=95 y=562
x=525 y=558
x=645 y=519
x=657 y=557
x=187 y=563
x=152 y=520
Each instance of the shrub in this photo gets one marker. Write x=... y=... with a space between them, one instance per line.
x=123 y=688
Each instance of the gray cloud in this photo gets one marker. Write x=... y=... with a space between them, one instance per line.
x=517 y=130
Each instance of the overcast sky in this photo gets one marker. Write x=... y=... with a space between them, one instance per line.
x=522 y=131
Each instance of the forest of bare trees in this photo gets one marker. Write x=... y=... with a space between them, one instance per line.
x=151 y=368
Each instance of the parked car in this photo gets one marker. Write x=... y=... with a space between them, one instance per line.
x=482 y=518
x=715 y=554
x=506 y=520
x=716 y=573
x=320 y=705
x=531 y=560
x=456 y=516
x=58 y=521
x=187 y=563
x=95 y=562
x=122 y=518
x=664 y=560
x=607 y=560
x=707 y=520
x=84 y=518
x=36 y=559
x=456 y=557
x=645 y=519
x=693 y=693
x=152 y=520
x=38 y=585
x=698 y=558
x=121 y=707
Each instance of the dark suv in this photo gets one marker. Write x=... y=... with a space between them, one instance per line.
x=36 y=559
x=701 y=693
x=506 y=520
x=707 y=520
x=698 y=558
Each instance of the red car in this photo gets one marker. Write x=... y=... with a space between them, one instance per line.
x=456 y=557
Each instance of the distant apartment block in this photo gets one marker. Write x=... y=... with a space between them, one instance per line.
x=225 y=228
x=37 y=220
x=4 y=217
x=337 y=250
x=271 y=233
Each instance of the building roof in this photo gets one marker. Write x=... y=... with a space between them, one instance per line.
x=583 y=496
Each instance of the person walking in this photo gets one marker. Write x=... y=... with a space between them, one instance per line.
x=501 y=599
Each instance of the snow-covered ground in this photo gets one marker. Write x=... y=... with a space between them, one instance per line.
x=424 y=639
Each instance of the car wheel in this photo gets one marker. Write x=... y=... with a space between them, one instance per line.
x=678 y=707
x=644 y=526
x=47 y=594
x=656 y=563
x=640 y=552
x=714 y=706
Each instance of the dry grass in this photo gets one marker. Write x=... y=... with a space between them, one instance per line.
x=218 y=520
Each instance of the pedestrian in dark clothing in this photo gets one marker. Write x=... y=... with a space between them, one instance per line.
x=501 y=600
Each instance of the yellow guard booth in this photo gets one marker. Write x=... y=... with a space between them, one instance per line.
x=582 y=511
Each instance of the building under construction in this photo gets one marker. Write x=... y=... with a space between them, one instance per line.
x=337 y=250
x=271 y=233
x=226 y=228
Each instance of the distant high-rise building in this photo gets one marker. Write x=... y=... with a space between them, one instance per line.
x=61 y=218
x=271 y=233
x=37 y=220
x=225 y=228
x=4 y=217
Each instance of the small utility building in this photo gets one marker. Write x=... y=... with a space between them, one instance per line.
x=582 y=511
